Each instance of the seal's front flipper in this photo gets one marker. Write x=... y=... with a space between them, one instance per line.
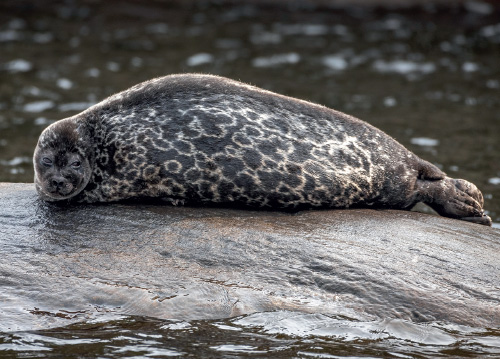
x=454 y=198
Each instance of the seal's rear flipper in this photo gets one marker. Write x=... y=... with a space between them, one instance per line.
x=454 y=198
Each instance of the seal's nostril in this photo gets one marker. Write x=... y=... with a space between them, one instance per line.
x=58 y=183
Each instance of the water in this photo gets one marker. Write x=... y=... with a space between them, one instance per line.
x=430 y=77
x=276 y=335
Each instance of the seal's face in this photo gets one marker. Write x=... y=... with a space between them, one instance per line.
x=62 y=168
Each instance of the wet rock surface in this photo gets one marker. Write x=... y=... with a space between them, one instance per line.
x=62 y=265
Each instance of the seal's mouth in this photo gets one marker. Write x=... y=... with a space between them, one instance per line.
x=59 y=194
x=58 y=191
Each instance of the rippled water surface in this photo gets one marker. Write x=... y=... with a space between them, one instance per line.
x=428 y=76
x=276 y=335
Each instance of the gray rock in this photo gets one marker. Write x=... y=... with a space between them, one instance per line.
x=62 y=265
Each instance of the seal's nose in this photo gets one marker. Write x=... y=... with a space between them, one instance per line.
x=58 y=182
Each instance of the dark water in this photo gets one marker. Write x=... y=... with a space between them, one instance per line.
x=429 y=76
x=261 y=335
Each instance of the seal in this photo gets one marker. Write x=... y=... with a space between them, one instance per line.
x=206 y=140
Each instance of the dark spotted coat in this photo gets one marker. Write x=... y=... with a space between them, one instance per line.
x=200 y=139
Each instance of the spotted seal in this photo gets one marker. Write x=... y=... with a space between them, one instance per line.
x=201 y=139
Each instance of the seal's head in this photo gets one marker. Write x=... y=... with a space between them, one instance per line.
x=62 y=161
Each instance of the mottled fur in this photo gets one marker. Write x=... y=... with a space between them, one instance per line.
x=200 y=139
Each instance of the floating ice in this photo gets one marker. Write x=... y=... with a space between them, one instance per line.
x=18 y=65
x=281 y=59
x=404 y=67
x=38 y=106
x=424 y=141
x=335 y=62
x=200 y=59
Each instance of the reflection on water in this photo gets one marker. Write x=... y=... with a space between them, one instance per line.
x=277 y=334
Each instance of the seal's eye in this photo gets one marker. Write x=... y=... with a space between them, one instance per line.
x=76 y=164
x=47 y=161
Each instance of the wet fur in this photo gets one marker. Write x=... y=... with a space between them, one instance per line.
x=200 y=139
